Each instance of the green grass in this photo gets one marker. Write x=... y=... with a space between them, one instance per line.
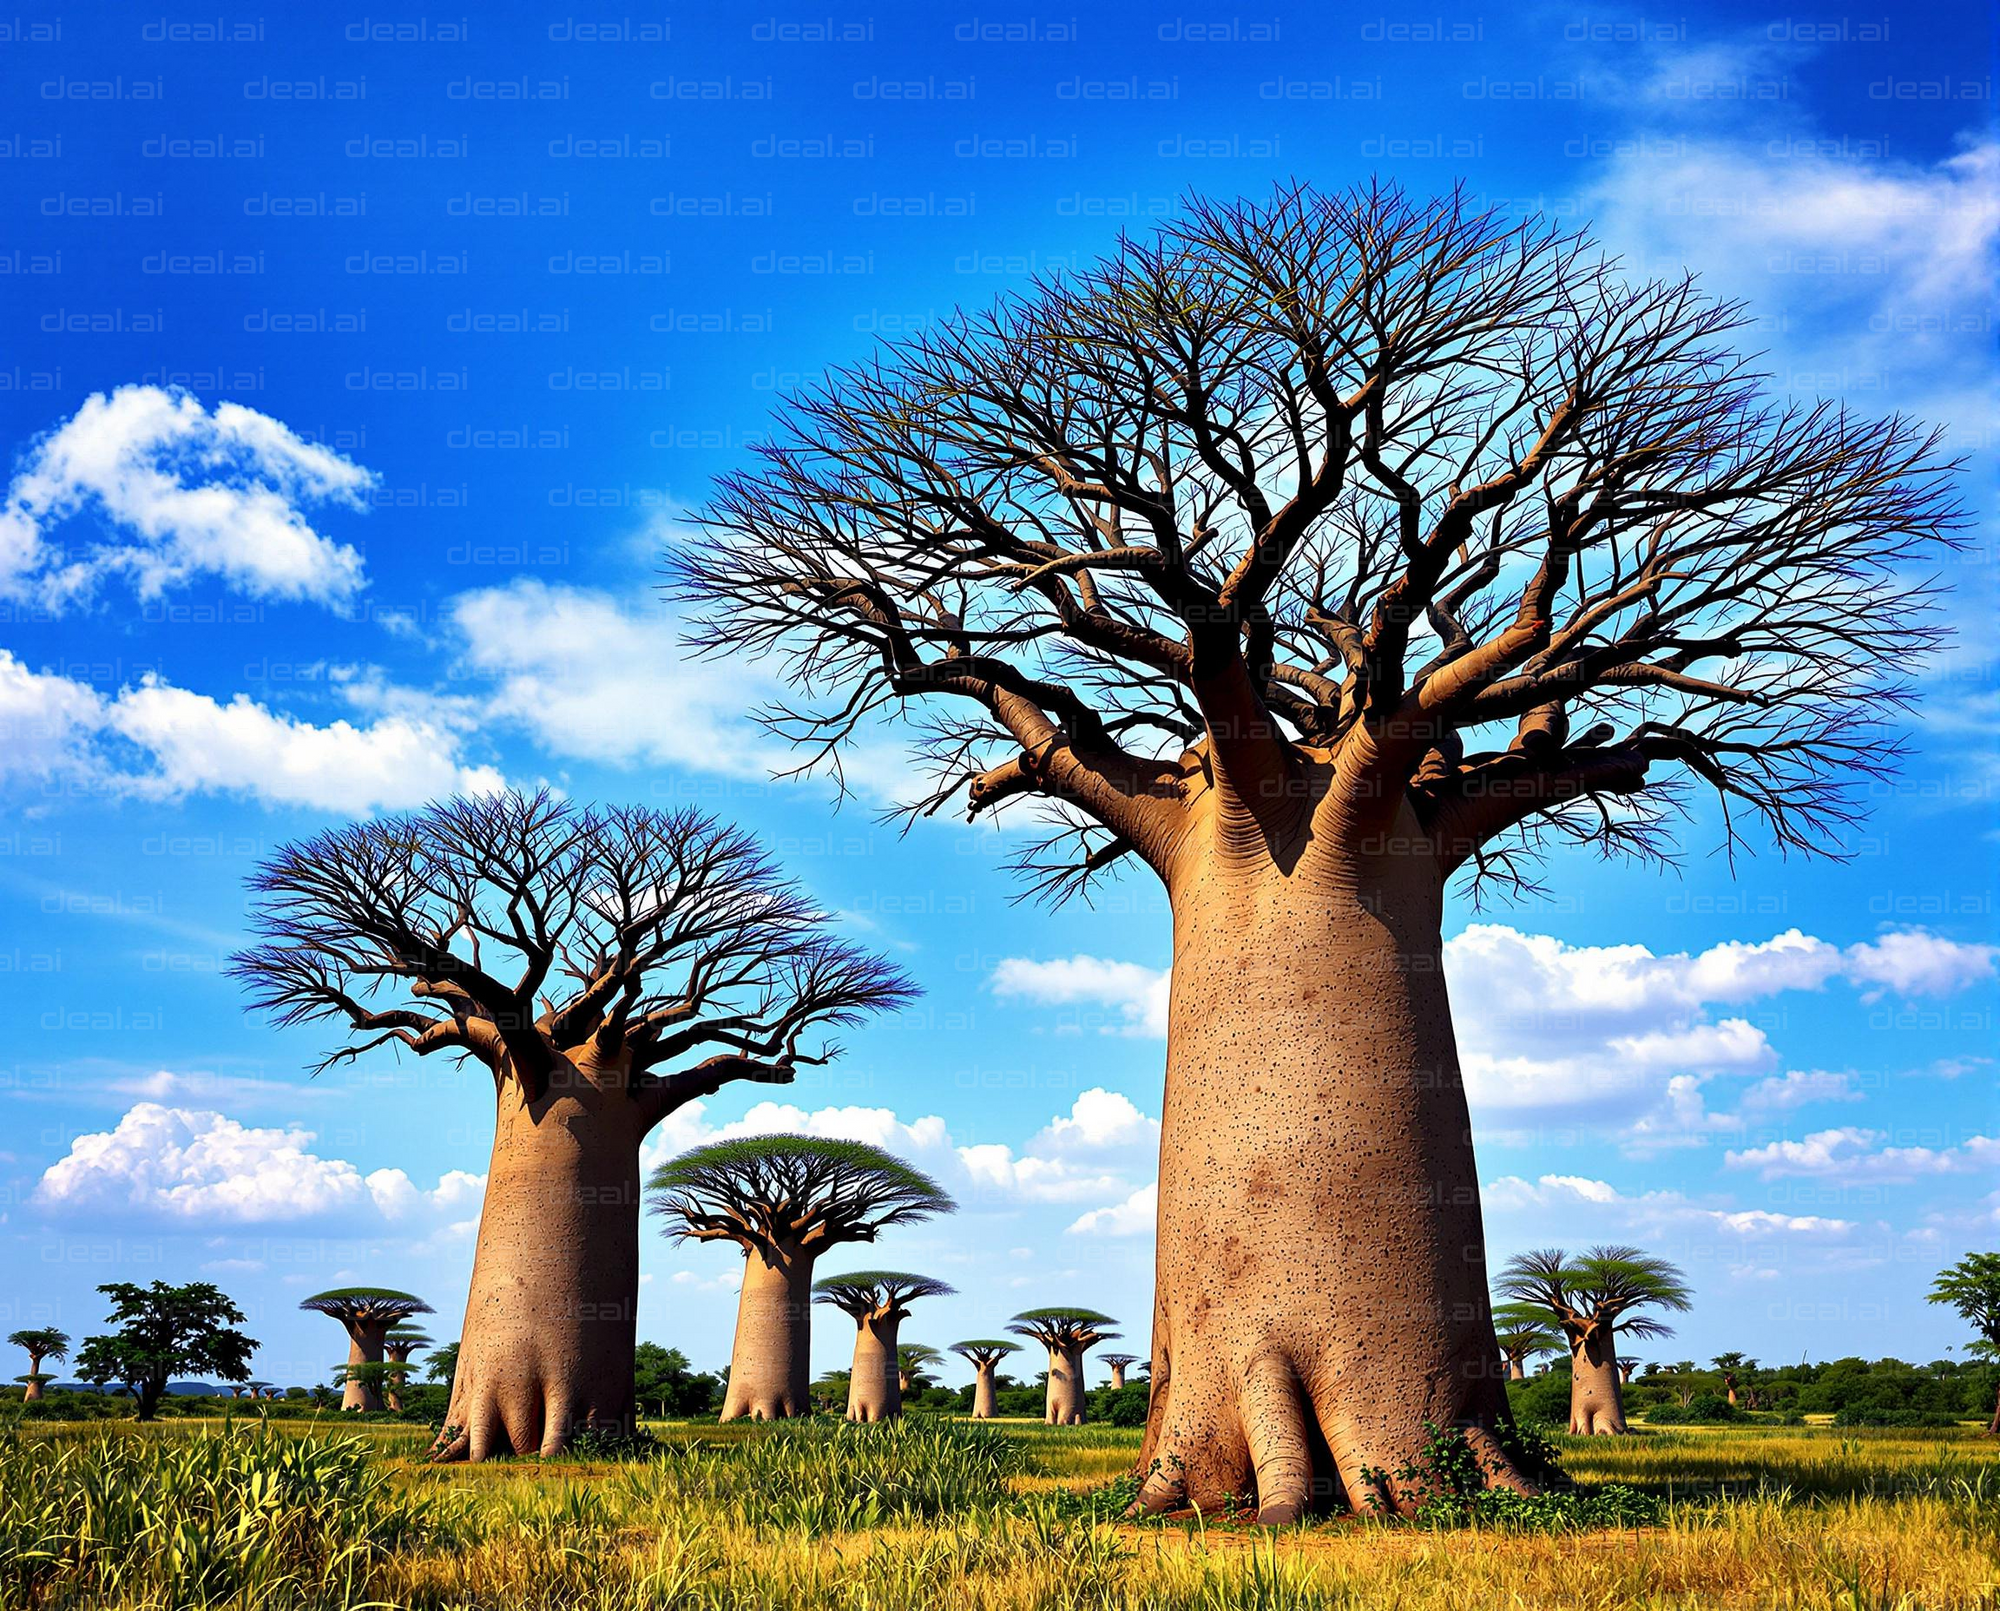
x=189 y=1516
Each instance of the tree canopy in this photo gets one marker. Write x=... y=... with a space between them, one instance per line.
x=1597 y=1291
x=1972 y=1287
x=1401 y=497
x=522 y=929
x=802 y=1191
x=1061 y=1327
x=878 y=1292
x=985 y=1350
x=367 y=1306
x=163 y=1332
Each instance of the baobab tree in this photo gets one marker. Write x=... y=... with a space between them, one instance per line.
x=784 y=1200
x=1729 y=1366
x=397 y=1347
x=367 y=1315
x=1593 y=1298
x=878 y=1302
x=984 y=1354
x=1068 y=1334
x=39 y=1343
x=605 y=966
x=1523 y=1331
x=1315 y=553
x=913 y=1364
x=1118 y=1364
x=1972 y=1287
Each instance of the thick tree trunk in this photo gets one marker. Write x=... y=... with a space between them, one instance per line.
x=1516 y=1372
x=1065 y=1395
x=33 y=1390
x=1595 y=1404
x=769 y=1364
x=875 y=1389
x=1993 y=1426
x=550 y=1323
x=364 y=1347
x=985 y=1400
x=1321 y=1291
x=1627 y=1366
x=1117 y=1377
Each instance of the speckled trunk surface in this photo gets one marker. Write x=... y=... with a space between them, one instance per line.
x=875 y=1389
x=1595 y=1404
x=768 y=1366
x=1321 y=1289
x=550 y=1322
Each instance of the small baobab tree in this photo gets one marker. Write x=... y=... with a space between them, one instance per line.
x=1972 y=1287
x=1119 y=1364
x=878 y=1302
x=368 y=1315
x=784 y=1200
x=913 y=1366
x=1627 y=1368
x=605 y=966
x=397 y=1349
x=1313 y=554
x=1068 y=1334
x=1730 y=1367
x=39 y=1343
x=984 y=1354
x=1524 y=1331
x=1592 y=1298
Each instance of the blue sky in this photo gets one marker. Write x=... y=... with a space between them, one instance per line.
x=461 y=312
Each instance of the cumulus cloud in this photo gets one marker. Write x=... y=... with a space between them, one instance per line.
x=1653 y=1212
x=1136 y=1216
x=195 y=1167
x=176 y=492
x=158 y=742
x=1851 y=1154
x=1134 y=996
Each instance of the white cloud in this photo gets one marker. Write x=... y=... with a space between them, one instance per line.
x=159 y=742
x=196 y=1167
x=1852 y=1154
x=1655 y=1212
x=1799 y=1088
x=1136 y=1216
x=1911 y=962
x=1136 y=996
x=178 y=492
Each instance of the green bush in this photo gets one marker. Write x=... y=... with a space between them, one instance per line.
x=1705 y=1409
x=1541 y=1400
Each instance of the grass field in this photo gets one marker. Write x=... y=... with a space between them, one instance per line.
x=945 y=1515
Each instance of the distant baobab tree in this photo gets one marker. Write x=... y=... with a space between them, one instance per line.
x=1067 y=1334
x=878 y=1302
x=606 y=966
x=1118 y=1364
x=1523 y=1331
x=368 y=1315
x=1592 y=1298
x=913 y=1364
x=784 y=1200
x=1311 y=553
x=984 y=1354
x=39 y=1343
x=397 y=1347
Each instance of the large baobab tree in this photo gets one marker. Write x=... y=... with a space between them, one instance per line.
x=1523 y=1331
x=1311 y=553
x=1972 y=1287
x=605 y=966
x=984 y=1354
x=878 y=1302
x=1119 y=1363
x=1592 y=1298
x=1068 y=1334
x=39 y=1343
x=367 y=1315
x=784 y=1200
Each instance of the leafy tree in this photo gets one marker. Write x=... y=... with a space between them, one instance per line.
x=442 y=1364
x=984 y=1354
x=1523 y=1330
x=39 y=1343
x=669 y=1386
x=1592 y=1298
x=1972 y=1287
x=163 y=1332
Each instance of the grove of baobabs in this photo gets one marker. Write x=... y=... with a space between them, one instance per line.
x=1440 y=636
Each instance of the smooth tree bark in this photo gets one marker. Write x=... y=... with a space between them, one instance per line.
x=1592 y=1297
x=367 y=1315
x=39 y=1343
x=984 y=1355
x=878 y=1302
x=1067 y=1334
x=1118 y=1364
x=1314 y=554
x=605 y=966
x=784 y=1200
